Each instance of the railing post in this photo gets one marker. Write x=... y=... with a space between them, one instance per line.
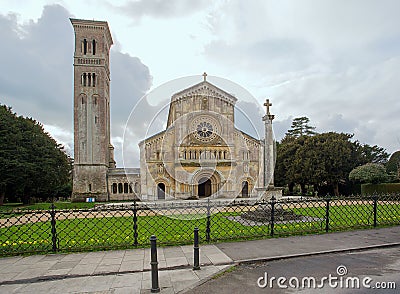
x=53 y=228
x=155 y=288
x=375 y=196
x=272 y=215
x=327 y=215
x=208 y=229
x=135 y=233
x=196 y=263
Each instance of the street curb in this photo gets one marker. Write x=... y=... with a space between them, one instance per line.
x=343 y=250
x=201 y=282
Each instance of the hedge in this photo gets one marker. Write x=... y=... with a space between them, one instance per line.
x=369 y=189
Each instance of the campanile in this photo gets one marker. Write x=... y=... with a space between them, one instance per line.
x=93 y=152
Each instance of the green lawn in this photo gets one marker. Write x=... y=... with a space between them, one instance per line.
x=80 y=234
x=47 y=205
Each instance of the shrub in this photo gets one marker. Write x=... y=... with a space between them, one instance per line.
x=369 y=189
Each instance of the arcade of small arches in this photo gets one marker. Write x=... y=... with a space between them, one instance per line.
x=195 y=153
x=125 y=188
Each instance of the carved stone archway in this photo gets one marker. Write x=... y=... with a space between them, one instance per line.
x=206 y=183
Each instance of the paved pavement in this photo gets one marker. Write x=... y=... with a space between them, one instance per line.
x=127 y=271
x=369 y=271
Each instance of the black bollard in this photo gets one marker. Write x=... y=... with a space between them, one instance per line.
x=196 y=264
x=155 y=288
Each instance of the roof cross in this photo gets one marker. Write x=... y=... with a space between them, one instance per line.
x=205 y=76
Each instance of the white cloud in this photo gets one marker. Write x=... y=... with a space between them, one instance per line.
x=335 y=62
x=36 y=75
x=158 y=8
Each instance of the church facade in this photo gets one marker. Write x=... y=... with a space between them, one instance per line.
x=200 y=154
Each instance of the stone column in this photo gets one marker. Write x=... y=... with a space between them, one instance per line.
x=269 y=148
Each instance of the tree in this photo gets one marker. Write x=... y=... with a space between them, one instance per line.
x=285 y=170
x=393 y=165
x=371 y=173
x=300 y=128
x=325 y=158
x=32 y=164
x=372 y=154
x=322 y=160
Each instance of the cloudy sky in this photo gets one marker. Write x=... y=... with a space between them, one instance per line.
x=337 y=62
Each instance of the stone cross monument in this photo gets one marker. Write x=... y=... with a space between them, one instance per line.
x=269 y=147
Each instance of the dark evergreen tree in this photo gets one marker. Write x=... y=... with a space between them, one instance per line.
x=372 y=154
x=325 y=158
x=300 y=127
x=322 y=160
x=393 y=165
x=32 y=164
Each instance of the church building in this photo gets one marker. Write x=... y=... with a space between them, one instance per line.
x=200 y=154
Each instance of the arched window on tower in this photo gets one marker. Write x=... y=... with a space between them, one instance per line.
x=114 y=188
x=94 y=47
x=94 y=79
x=84 y=46
x=89 y=79
x=84 y=79
x=126 y=188
x=120 y=188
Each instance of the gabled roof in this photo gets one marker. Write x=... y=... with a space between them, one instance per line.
x=205 y=88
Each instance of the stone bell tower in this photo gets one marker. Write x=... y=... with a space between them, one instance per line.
x=93 y=152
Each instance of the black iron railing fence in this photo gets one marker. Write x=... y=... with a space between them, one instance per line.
x=131 y=225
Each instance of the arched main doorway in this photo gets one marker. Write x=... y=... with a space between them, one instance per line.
x=204 y=188
x=245 y=189
x=161 y=191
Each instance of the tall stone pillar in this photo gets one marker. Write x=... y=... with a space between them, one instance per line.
x=269 y=148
